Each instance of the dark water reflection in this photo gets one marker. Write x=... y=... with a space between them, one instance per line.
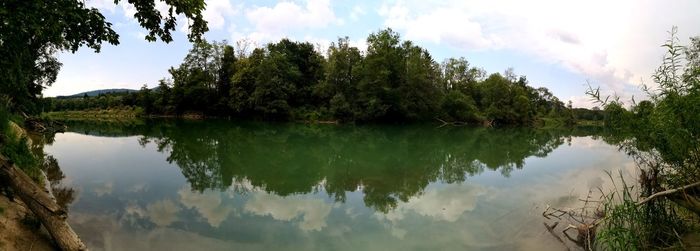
x=225 y=185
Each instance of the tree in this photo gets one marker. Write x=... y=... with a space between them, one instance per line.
x=383 y=72
x=396 y=81
x=420 y=94
x=225 y=78
x=28 y=44
x=243 y=83
x=341 y=79
x=145 y=99
x=460 y=107
x=195 y=80
x=162 y=101
x=616 y=116
x=457 y=74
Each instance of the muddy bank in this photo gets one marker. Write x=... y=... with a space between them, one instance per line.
x=16 y=235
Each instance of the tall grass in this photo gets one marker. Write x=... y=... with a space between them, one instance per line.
x=630 y=226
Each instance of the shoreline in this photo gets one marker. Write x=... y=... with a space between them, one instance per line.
x=18 y=235
x=128 y=115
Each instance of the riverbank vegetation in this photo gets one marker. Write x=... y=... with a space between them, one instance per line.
x=113 y=112
x=662 y=135
x=15 y=143
x=665 y=144
x=393 y=81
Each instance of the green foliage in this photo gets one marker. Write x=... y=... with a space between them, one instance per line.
x=616 y=116
x=664 y=140
x=14 y=145
x=18 y=151
x=339 y=85
x=394 y=81
x=629 y=226
x=115 y=112
x=460 y=107
x=29 y=43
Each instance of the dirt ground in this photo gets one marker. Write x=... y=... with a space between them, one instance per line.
x=15 y=235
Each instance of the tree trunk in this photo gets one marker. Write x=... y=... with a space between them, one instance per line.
x=52 y=216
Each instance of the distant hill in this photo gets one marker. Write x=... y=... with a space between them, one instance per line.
x=97 y=92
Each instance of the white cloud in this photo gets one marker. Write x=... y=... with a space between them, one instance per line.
x=313 y=212
x=320 y=44
x=104 y=5
x=129 y=10
x=614 y=44
x=357 y=12
x=216 y=13
x=104 y=189
x=361 y=44
x=447 y=204
x=443 y=25
x=162 y=213
x=271 y=23
x=208 y=204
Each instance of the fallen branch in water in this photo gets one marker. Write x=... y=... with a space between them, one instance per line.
x=584 y=220
x=668 y=192
x=452 y=123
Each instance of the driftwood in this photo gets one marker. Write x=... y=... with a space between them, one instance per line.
x=452 y=123
x=44 y=126
x=584 y=220
x=485 y=123
x=51 y=215
x=668 y=192
x=328 y=122
x=679 y=196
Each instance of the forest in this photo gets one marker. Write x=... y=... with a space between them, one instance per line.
x=393 y=81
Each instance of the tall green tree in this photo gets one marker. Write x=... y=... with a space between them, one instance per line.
x=420 y=94
x=383 y=72
x=225 y=78
x=342 y=74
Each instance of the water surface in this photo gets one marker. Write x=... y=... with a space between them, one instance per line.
x=222 y=185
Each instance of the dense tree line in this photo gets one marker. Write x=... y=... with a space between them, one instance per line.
x=393 y=80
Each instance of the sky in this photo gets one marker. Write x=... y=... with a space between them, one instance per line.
x=561 y=45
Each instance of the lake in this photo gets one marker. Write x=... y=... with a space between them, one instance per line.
x=224 y=185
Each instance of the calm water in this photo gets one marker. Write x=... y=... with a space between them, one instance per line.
x=220 y=185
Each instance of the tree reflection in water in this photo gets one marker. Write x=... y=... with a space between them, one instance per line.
x=388 y=163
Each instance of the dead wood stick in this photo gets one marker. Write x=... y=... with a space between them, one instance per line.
x=668 y=192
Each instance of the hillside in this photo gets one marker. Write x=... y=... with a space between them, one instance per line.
x=98 y=92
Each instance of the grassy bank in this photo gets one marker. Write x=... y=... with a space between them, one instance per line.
x=16 y=145
x=123 y=112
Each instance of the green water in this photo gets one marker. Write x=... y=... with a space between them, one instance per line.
x=222 y=185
